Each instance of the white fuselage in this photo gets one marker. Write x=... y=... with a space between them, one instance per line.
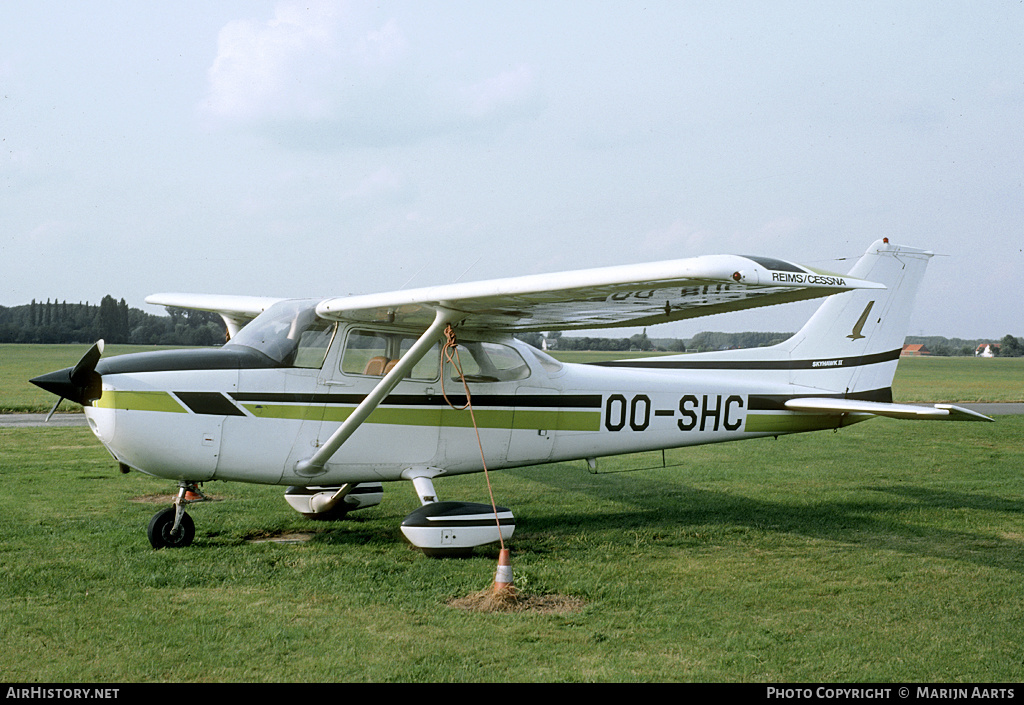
x=325 y=392
x=256 y=425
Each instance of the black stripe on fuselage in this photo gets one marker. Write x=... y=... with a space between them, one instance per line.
x=549 y=401
x=824 y=364
x=777 y=402
x=209 y=403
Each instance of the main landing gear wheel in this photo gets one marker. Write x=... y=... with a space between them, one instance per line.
x=161 y=530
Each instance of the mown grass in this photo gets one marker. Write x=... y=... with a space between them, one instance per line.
x=890 y=551
x=959 y=379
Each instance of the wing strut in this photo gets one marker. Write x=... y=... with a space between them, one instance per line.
x=314 y=465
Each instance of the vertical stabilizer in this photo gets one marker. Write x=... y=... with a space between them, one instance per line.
x=855 y=338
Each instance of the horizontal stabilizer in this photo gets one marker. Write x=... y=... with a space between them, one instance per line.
x=938 y=412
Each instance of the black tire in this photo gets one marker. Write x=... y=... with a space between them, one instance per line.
x=159 y=530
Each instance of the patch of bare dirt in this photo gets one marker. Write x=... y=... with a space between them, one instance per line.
x=278 y=537
x=511 y=600
x=155 y=499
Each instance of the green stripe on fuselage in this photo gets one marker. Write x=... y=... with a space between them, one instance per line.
x=796 y=423
x=292 y=412
x=532 y=419
x=552 y=420
x=139 y=401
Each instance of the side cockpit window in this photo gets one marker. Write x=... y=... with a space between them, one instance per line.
x=365 y=354
x=374 y=353
x=313 y=344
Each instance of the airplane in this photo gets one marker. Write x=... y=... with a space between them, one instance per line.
x=334 y=397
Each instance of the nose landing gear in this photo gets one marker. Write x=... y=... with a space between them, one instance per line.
x=173 y=527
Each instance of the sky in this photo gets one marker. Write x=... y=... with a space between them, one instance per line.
x=300 y=149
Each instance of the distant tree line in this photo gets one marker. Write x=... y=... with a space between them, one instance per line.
x=702 y=342
x=1008 y=346
x=113 y=321
x=555 y=340
x=707 y=342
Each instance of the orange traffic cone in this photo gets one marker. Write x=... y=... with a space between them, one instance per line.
x=503 y=575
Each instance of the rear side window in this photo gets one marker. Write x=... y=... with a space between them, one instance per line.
x=490 y=362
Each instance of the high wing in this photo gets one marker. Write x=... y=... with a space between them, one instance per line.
x=624 y=295
x=235 y=310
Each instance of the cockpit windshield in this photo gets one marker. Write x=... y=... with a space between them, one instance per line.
x=290 y=333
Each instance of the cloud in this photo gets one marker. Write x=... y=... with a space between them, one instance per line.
x=277 y=69
x=319 y=77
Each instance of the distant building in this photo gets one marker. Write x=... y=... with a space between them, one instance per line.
x=914 y=351
x=986 y=350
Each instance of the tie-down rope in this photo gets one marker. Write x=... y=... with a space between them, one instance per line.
x=450 y=353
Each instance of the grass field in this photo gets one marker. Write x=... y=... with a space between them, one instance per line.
x=964 y=379
x=881 y=553
x=889 y=551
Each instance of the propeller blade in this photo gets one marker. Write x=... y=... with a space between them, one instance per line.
x=53 y=410
x=88 y=362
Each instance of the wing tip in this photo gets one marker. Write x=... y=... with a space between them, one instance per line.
x=960 y=413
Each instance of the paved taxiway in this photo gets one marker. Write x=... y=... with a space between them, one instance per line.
x=23 y=420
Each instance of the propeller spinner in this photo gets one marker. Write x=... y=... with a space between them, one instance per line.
x=80 y=384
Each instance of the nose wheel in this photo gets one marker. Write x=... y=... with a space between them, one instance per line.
x=173 y=527
x=166 y=530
